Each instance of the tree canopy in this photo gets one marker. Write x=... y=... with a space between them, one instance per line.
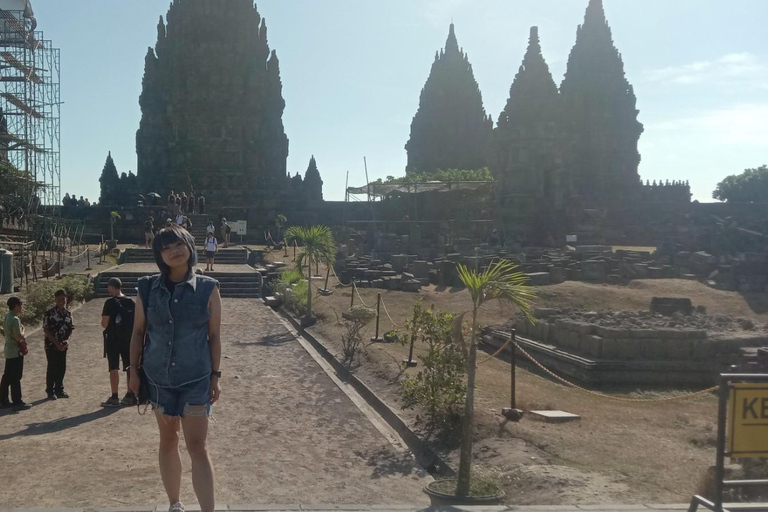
x=751 y=186
x=445 y=176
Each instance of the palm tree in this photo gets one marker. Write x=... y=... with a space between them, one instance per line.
x=500 y=281
x=318 y=247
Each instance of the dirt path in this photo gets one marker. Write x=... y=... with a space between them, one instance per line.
x=284 y=433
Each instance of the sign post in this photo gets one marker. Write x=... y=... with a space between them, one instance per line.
x=742 y=432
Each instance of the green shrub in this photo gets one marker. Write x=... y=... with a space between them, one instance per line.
x=295 y=298
x=291 y=276
x=357 y=317
x=439 y=386
x=40 y=298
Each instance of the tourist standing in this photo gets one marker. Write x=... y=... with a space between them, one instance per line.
x=192 y=205
x=117 y=320
x=15 y=349
x=149 y=231
x=58 y=327
x=179 y=219
x=186 y=223
x=178 y=204
x=171 y=202
x=225 y=231
x=180 y=359
x=201 y=203
x=67 y=200
x=184 y=202
x=211 y=246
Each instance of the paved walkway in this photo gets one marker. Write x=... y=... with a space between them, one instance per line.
x=283 y=432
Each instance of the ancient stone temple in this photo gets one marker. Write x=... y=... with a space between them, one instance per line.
x=212 y=105
x=313 y=183
x=599 y=117
x=526 y=156
x=526 y=159
x=451 y=129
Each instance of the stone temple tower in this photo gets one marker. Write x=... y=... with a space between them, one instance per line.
x=212 y=105
x=600 y=126
x=450 y=130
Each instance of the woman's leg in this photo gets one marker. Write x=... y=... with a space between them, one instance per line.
x=168 y=455
x=195 y=424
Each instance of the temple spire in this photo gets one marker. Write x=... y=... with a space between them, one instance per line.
x=600 y=113
x=451 y=129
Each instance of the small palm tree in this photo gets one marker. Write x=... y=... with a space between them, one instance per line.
x=318 y=246
x=113 y=217
x=500 y=281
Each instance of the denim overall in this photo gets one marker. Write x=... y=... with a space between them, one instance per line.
x=177 y=355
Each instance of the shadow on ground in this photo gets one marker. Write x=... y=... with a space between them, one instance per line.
x=48 y=427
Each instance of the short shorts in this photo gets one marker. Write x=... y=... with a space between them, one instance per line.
x=176 y=401
x=210 y=254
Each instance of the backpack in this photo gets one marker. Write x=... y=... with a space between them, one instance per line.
x=228 y=229
x=121 y=325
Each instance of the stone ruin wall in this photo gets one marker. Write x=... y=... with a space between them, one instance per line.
x=628 y=344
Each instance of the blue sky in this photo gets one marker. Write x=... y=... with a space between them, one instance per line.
x=353 y=69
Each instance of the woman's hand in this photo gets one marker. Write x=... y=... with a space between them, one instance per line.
x=134 y=382
x=215 y=389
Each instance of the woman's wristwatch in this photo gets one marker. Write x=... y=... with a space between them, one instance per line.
x=216 y=373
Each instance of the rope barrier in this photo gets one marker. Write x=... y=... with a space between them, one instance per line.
x=339 y=280
x=357 y=290
x=611 y=397
x=388 y=315
x=493 y=356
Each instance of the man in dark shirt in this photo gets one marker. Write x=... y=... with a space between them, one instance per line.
x=117 y=321
x=58 y=327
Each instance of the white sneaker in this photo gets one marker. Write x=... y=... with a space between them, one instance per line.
x=176 y=507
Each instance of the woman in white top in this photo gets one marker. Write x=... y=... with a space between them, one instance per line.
x=211 y=246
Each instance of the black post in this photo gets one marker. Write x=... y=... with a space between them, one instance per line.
x=513 y=364
x=410 y=363
x=722 y=414
x=352 y=302
x=378 y=317
x=88 y=257
x=294 y=250
x=327 y=276
x=58 y=256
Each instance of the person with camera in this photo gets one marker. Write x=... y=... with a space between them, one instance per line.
x=117 y=320
x=15 y=349
x=175 y=357
x=58 y=327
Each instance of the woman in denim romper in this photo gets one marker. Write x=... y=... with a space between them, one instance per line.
x=179 y=312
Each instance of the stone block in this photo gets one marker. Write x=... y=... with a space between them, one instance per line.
x=593 y=271
x=538 y=278
x=671 y=334
x=613 y=279
x=655 y=272
x=556 y=274
x=669 y=305
x=622 y=349
x=703 y=350
x=542 y=331
x=421 y=269
x=592 y=345
x=545 y=312
x=570 y=339
x=643 y=333
x=611 y=332
x=379 y=283
x=411 y=285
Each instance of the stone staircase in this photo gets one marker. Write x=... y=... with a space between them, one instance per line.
x=244 y=285
x=231 y=256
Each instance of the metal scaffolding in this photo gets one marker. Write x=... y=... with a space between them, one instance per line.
x=30 y=99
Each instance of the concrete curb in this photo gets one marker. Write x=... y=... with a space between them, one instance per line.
x=425 y=456
x=368 y=508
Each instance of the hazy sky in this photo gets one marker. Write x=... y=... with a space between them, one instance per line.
x=352 y=72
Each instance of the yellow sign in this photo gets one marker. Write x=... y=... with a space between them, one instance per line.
x=748 y=421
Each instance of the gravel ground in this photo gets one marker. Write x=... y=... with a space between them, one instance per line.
x=283 y=432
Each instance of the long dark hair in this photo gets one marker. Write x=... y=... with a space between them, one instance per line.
x=170 y=235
